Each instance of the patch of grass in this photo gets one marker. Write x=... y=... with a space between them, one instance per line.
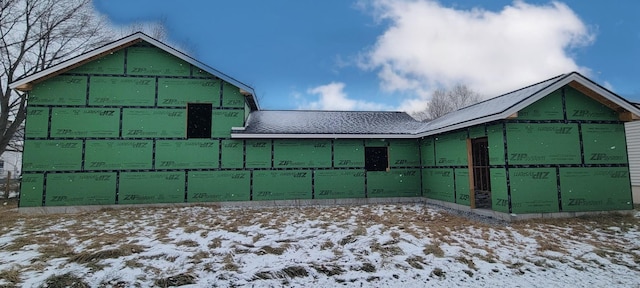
x=438 y=272
x=433 y=248
x=360 y=231
x=347 y=240
x=416 y=262
x=257 y=237
x=188 y=243
x=199 y=256
x=329 y=270
x=368 y=267
x=295 y=271
x=215 y=243
x=12 y=275
x=386 y=249
x=467 y=261
x=272 y=250
x=57 y=250
x=191 y=229
x=326 y=245
x=229 y=263
x=176 y=280
x=67 y=280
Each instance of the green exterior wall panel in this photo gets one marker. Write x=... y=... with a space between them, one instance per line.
x=161 y=123
x=595 y=189
x=112 y=63
x=52 y=155
x=545 y=143
x=396 y=183
x=154 y=61
x=348 y=153
x=268 y=185
x=427 y=152
x=60 y=90
x=85 y=122
x=462 y=186
x=223 y=120
x=31 y=190
x=477 y=132
x=179 y=92
x=404 y=153
x=151 y=187
x=534 y=190
x=582 y=107
x=499 y=192
x=214 y=186
x=81 y=189
x=258 y=153
x=451 y=149
x=122 y=91
x=37 y=122
x=438 y=184
x=334 y=184
x=375 y=143
x=231 y=96
x=604 y=144
x=301 y=153
x=232 y=154
x=118 y=154
x=547 y=108
x=187 y=154
x=495 y=138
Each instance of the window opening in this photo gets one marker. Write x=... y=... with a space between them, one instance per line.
x=376 y=158
x=199 y=120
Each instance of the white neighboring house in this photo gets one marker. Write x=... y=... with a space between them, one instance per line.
x=632 y=131
x=11 y=161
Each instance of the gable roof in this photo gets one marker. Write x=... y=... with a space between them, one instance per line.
x=24 y=84
x=328 y=124
x=507 y=105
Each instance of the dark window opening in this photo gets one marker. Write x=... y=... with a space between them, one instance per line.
x=481 y=175
x=376 y=158
x=199 y=120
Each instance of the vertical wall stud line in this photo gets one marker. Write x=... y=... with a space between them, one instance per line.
x=120 y=127
x=332 y=143
x=581 y=144
x=84 y=157
x=506 y=166
x=186 y=185
x=48 y=124
x=44 y=188
x=564 y=104
x=88 y=89
x=153 y=154
x=221 y=94
x=273 y=144
x=313 y=184
x=126 y=56
x=559 y=189
x=420 y=165
x=244 y=154
x=251 y=185
x=155 y=96
x=117 y=187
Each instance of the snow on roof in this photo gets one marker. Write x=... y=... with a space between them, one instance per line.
x=24 y=83
x=328 y=124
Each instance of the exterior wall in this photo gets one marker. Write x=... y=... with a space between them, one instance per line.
x=564 y=153
x=632 y=130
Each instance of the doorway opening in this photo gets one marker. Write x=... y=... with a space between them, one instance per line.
x=481 y=175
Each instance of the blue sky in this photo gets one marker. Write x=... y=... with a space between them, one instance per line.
x=391 y=54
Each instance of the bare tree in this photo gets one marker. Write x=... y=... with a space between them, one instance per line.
x=443 y=102
x=35 y=35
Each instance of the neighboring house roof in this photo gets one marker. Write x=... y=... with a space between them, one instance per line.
x=331 y=124
x=25 y=84
x=328 y=124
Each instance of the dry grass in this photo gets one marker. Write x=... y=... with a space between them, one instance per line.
x=11 y=275
x=188 y=243
x=434 y=248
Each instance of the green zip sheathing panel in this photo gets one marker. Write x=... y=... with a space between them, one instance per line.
x=231 y=96
x=396 y=183
x=81 y=189
x=112 y=63
x=375 y=143
x=155 y=61
x=543 y=143
x=282 y=185
x=604 y=143
x=156 y=123
x=582 y=107
x=477 y=132
x=462 y=186
x=179 y=92
x=404 y=153
x=118 y=154
x=348 y=153
x=499 y=192
x=197 y=72
x=211 y=186
x=547 y=108
x=258 y=153
x=232 y=155
x=223 y=120
x=120 y=91
x=85 y=122
x=334 y=184
x=451 y=149
x=495 y=137
x=37 y=122
x=151 y=187
x=186 y=154
x=595 y=189
x=427 y=152
x=533 y=190
x=31 y=190
x=52 y=155
x=60 y=90
x=301 y=153
x=439 y=184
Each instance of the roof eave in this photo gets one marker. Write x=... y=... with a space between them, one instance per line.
x=320 y=136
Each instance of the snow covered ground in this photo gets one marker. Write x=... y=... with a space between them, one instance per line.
x=402 y=245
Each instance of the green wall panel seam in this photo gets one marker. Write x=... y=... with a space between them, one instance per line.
x=506 y=160
x=559 y=191
x=564 y=105
x=580 y=139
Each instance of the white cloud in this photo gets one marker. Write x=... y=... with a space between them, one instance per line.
x=428 y=46
x=333 y=97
